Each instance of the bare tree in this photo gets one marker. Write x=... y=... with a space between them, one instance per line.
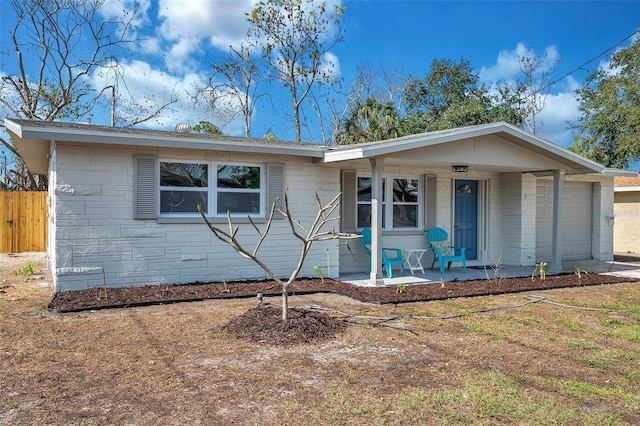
x=128 y=109
x=295 y=37
x=306 y=235
x=237 y=91
x=58 y=46
x=534 y=86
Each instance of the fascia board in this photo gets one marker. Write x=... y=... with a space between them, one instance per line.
x=626 y=189
x=159 y=140
x=392 y=146
x=620 y=172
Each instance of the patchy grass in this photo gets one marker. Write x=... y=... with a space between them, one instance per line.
x=540 y=364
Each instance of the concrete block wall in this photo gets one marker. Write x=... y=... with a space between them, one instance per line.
x=97 y=240
x=518 y=219
x=602 y=234
x=495 y=252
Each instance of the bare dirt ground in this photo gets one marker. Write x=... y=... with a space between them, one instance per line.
x=488 y=362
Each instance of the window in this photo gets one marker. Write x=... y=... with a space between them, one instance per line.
x=404 y=210
x=405 y=203
x=238 y=189
x=183 y=186
x=234 y=188
x=364 y=201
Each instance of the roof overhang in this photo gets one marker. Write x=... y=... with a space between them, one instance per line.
x=406 y=147
x=33 y=139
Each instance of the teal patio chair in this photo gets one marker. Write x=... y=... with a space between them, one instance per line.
x=443 y=252
x=390 y=256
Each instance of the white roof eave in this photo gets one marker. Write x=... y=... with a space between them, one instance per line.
x=392 y=146
x=34 y=139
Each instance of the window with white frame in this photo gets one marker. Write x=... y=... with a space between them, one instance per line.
x=238 y=189
x=403 y=212
x=234 y=188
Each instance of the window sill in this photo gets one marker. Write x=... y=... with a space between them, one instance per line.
x=398 y=231
x=214 y=220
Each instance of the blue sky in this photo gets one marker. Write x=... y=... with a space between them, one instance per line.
x=180 y=34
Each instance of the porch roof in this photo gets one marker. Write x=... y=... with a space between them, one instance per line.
x=468 y=144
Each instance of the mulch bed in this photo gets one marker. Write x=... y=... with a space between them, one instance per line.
x=79 y=300
x=265 y=325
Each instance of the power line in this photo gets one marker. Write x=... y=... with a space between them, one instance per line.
x=587 y=63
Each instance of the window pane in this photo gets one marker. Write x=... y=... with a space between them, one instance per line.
x=182 y=201
x=405 y=216
x=405 y=190
x=364 y=215
x=364 y=189
x=243 y=202
x=239 y=177
x=183 y=174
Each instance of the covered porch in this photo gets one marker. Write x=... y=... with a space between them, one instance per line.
x=476 y=271
x=517 y=186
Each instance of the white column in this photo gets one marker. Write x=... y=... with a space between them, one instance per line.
x=376 y=220
x=556 y=239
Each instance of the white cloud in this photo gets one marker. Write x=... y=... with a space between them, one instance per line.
x=147 y=87
x=561 y=104
x=330 y=64
x=190 y=26
x=507 y=66
x=136 y=10
x=552 y=120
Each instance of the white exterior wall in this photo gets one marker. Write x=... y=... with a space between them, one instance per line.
x=96 y=234
x=51 y=217
x=494 y=252
x=602 y=218
x=518 y=219
x=490 y=230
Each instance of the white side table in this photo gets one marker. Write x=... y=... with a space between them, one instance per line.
x=413 y=259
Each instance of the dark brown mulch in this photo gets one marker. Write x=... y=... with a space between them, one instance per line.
x=265 y=325
x=71 y=301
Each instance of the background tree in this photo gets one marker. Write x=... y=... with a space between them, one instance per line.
x=450 y=96
x=208 y=128
x=370 y=120
x=233 y=86
x=295 y=37
x=57 y=46
x=534 y=86
x=609 y=103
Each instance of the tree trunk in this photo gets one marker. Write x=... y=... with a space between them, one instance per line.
x=296 y=118
x=285 y=304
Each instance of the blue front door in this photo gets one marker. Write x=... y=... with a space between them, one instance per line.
x=465 y=226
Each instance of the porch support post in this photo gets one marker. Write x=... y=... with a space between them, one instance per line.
x=555 y=265
x=376 y=276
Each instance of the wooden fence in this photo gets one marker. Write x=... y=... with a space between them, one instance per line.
x=23 y=221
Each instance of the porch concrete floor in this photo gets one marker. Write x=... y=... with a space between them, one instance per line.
x=477 y=271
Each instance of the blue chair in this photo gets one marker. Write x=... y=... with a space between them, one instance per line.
x=390 y=256
x=443 y=252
